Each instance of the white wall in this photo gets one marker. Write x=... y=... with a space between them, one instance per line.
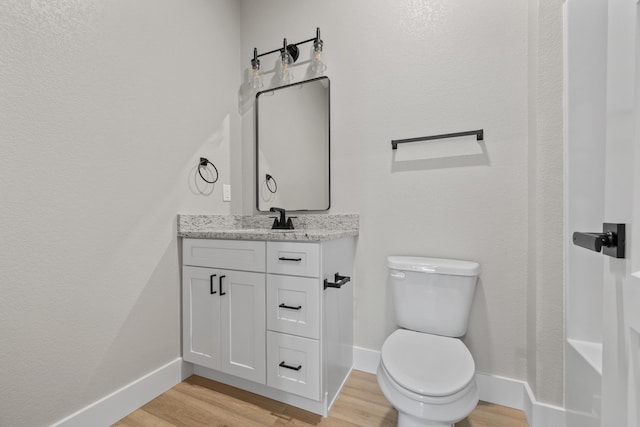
x=416 y=67
x=545 y=331
x=105 y=108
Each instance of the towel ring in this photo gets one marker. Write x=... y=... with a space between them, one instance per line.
x=203 y=163
x=270 y=178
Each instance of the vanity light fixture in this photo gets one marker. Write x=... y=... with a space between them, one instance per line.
x=289 y=54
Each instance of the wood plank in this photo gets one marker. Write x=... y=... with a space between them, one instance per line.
x=142 y=418
x=365 y=387
x=183 y=410
x=491 y=415
x=252 y=406
x=202 y=402
x=361 y=412
x=296 y=417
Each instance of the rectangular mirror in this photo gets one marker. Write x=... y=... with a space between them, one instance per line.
x=292 y=147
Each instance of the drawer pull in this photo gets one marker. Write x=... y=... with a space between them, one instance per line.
x=283 y=365
x=220 y=287
x=211 y=284
x=290 y=307
x=339 y=281
x=290 y=259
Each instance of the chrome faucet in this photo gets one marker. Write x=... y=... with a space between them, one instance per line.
x=281 y=223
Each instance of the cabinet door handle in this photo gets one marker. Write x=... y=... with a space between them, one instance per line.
x=290 y=259
x=283 y=365
x=220 y=285
x=290 y=307
x=211 y=284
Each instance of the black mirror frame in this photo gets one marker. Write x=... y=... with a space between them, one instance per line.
x=257 y=153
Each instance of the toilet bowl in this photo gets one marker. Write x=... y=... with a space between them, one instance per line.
x=429 y=379
x=425 y=372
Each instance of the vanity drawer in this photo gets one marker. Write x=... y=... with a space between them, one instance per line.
x=229 y=254
x=298 y=259
x=293 y=305
x=293 y=364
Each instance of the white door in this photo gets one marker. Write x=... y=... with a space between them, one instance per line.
x=603 y=128
x=243 y=324
x=201 y=314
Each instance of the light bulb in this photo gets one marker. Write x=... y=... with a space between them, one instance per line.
x=256 y=78
x=284 y=67
x=255 y=81
x=317 y=64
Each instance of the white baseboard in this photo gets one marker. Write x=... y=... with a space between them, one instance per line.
x=501 y=390
x=541 y=414
x=365 y=360
x=120 y=403
x=493 y=389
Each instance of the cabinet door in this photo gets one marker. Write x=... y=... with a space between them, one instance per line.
x=201 y=317
x=242 y=305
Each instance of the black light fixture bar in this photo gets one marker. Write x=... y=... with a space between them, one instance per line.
x=290 y=44
x=478 y=133
x=316 y=38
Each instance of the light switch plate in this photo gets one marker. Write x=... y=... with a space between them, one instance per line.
x=226 y=192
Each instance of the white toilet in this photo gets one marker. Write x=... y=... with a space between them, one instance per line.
x=426 y=373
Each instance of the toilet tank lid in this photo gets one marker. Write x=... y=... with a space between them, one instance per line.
x=434 y=265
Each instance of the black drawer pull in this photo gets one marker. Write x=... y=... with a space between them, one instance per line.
x=211 y=284
x=290 y=307
x=339 y=281
x=220 y=287
x=290 y=259
x=282 y=365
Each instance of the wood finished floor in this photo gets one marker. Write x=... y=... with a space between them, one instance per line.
x=199 y=402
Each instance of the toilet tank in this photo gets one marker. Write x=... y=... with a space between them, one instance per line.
x=433 y=295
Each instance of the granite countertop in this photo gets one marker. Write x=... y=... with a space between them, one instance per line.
x=235 y=227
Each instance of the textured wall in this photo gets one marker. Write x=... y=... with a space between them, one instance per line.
x=105 y=108
x=545 y=292
x=411 y=68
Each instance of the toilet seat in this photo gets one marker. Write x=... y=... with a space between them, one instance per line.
x=419 y=410
x=428 y=365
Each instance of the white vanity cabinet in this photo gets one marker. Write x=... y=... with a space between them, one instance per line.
x=278 y=331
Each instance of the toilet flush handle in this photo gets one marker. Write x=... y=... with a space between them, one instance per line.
x=397 y=275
